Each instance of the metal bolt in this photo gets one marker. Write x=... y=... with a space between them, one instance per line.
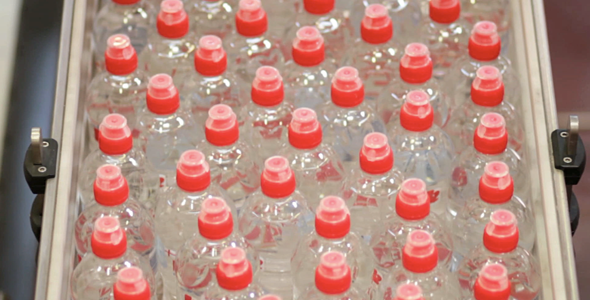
x=563 y=134
x=42 y=169
x=567 y=160
x=45 y=144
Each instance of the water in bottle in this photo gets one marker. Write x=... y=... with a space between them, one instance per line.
x=211 y=17
x=405 y=14
x=131 y=285
x=492 y=283
x=495 y=11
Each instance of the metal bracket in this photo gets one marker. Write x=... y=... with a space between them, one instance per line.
x=40 y=161
x=569 y=153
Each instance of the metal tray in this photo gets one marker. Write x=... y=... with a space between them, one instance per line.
x=530 y=51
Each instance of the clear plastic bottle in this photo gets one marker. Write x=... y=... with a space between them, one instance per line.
x=332 y=233
x=166 y=128
x=212 y=83
x=415 y=74
x=422 y=149
x=376 y=54
x=492 y=283
x=308 y=76
x=116 y=148
x=370 y=190
x=333 y=280
x=273 y=220
x=500 y=245
x=197 y=259
x=132 y=18
x=120 y=89
x=347 y=119
x=318 y=169
x=282 y=17
x=94 y=277
x=211 y=17
x=267 y=116
x=490 y=143
x=178 y=208
x=407 y=291
x=234 y=165
x=497 y=11
x=131 y=285
x=251 y=45
x=487 y=95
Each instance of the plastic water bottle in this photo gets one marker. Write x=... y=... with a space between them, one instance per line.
x=211 y=17
x=308 y=76
x=273 y=220
x=166 y=128
x=496 y=191
x=178 y=208
x=318 y=169
x=251 y=45
x=120 y=89
x=268 y=115
x=490 y=143
x=282 y=17
x=94 y=277
x=487 y=95
x=498 y=12
x=332 y=233
x=492 y=283
x=500 y=245
x=412 y=213
x=407 y=291
x=415 y=74
x=111 y=193
x=116 y=148
x=197 y=259
x=420 y=267
x=234 y=165
x=131 y=285
x=133 y=18
x=212 y=83
x=370 y=190
x=376 y=54
x=422 y=149
x=405 y=14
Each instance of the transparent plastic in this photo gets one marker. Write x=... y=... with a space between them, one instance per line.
x=211 y=17
x=282 y=17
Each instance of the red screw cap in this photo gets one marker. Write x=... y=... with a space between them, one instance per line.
x=318 y=7
x=278 y=179
x=488 y=88
x=234 y=271
x=445 y=11
x=267 y=87
x=376 y=156
x=333 y=275
x=420 y=255
x=491 y=136
x=131 y=285
x=110 y=187
x=376 y=26
x=347 y=88
x=305 y=131
x=416 y=66
x=108 y=238
x=172 y=20
x=501 y=233
x=408 y=291
x=492 y=283
x=417 y=113
x=215 y=219
x=270 y=297
x=332 y=219
x=412 y=202
x=114 y=136
x=192 y=171
x=251 y=19
x=120 y=57
x=162 y=96
x=308 y=47
x=221 y=128
x=496 y=185
x=485 y=43
x=126 y=2
x=210 y=57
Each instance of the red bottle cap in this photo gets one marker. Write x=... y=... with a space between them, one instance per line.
x=347 y=88
x=234 y=271
x=412 y=201
x=420 y=255
x=210 y=57
x=215 y=219
x=417 y=113
x=318 y=7
x=415 y=66
x=110 y=187
x=114 y=136
x=487 y=88
x=408 y=291
x=162 y=96
x=126 y=2
x=192 y=171
x=376 y=156
x=485 y=43
x=305 y=131
x=333 y=276
x=251 y=19
x=277 y=179
x=491 y=136
x=120 y=57
x=492 y=283
x=131 y=285
x=267 y=87
x=172 y=20
x=376 y=26
x=221 y=128
x=332 y=219
x=108 y=238
x=501 y=233
x=308 y=47
x=496 y=185
x=445 y=11
x=270 y=297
